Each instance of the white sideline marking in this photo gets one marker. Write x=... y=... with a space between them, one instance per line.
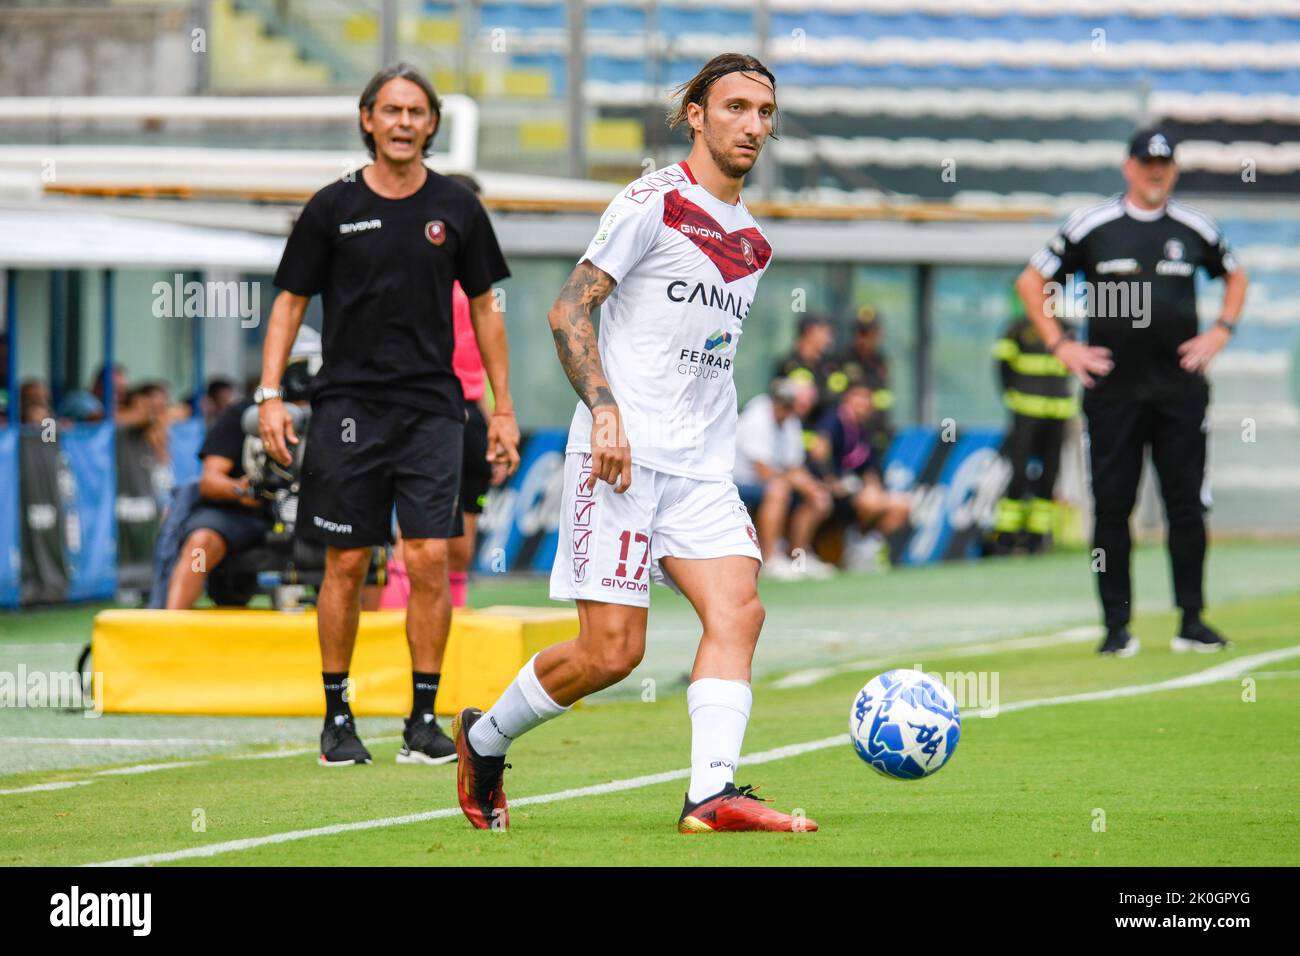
x=36 y=788
x=1221 y=672
x=146 y=768
x=40 y=645
x=122 y=741
x=1225 y=671
x=1073 y=635
x=151 y=767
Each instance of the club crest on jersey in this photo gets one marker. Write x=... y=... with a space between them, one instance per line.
x=1173 y=250
x=747 y=250
x=435 y=232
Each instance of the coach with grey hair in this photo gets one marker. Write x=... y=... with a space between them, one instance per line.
x=383 y=248
x=1143 y=369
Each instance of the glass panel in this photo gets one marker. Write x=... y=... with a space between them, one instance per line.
x=971 y=306
x=891 y=291
x=787 y=291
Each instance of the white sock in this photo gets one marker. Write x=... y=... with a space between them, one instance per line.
x=719 y=712
x=523 y=706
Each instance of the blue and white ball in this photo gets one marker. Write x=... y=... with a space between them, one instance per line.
x=905 y=724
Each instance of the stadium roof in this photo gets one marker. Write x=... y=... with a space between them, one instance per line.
x=78 y=240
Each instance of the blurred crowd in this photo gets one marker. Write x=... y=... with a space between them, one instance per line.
x=144 y=412
x=809 y=452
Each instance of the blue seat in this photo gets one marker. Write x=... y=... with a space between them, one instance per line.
x=524 y=17
x=616 y=19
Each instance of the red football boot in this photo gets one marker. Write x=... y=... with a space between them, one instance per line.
x=478 y=779
x=735 y=809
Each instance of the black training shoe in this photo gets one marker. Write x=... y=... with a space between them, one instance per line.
x=424 y=742
x=1119 y=643
x=339 y=744
x=1200 y=638
x=478 y=779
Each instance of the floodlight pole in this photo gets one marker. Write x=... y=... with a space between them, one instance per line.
x=766 y=174
x=11 y=336
x=387 y=33
x=468 y=30
x=202 y=65
x=576 y=73
x=924 y=394
x=108 y=388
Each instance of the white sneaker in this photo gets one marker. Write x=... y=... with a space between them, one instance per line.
x=813 y=566
x=867 y=552
x=780 y=568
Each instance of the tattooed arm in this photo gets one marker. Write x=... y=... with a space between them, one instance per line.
x=575 y=336
x=575 y=341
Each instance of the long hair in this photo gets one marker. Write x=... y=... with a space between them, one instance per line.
x=696 y=89
x=398 y=71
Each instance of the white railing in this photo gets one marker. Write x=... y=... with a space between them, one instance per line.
x=460 y=116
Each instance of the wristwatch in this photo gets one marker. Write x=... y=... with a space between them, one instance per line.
x=1225 y=324
x=262 y=393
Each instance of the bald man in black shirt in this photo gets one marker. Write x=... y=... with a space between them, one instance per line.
x=1143 y=369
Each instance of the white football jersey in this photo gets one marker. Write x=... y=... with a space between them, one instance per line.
x=687 y=265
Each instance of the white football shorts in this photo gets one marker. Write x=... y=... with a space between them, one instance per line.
x=610 y=544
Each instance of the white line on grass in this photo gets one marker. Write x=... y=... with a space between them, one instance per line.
x=40 y=646
x=172 y=765
x=37 y=788
x=1221 y=672
x=146 y=768
x=123 y=741
x=815 y=675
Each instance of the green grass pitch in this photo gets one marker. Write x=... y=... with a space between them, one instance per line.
x=1200 y=773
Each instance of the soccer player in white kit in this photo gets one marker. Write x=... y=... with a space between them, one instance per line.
x=648 y=488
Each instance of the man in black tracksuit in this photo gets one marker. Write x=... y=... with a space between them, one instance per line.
x=1143 y=369
x=1037 y=391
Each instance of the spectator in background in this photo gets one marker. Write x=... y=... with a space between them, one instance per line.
x=1038 y=391
x=34 y=402
x=219 y=395
x=810 y=361
x=134 y=418
x=230 y=517
x=148 y=415
x=845 y=458
x=865 y=361
x=773 y=481
x=81 y=406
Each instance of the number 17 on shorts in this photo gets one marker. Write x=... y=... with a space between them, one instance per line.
x=603 y=551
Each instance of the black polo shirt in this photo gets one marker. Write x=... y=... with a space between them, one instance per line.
x=226 y=437
x=384 y=269
x=1141 y=275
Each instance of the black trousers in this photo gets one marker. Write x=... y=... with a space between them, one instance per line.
x=1175 y=430
x=1027 y=439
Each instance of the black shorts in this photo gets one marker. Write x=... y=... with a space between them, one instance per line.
x=476 y=477
x=363 y=457
x=239 y=526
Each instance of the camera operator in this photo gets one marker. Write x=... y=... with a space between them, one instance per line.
x=230 y=515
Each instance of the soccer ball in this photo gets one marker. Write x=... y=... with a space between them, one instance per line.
x=905 y=724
